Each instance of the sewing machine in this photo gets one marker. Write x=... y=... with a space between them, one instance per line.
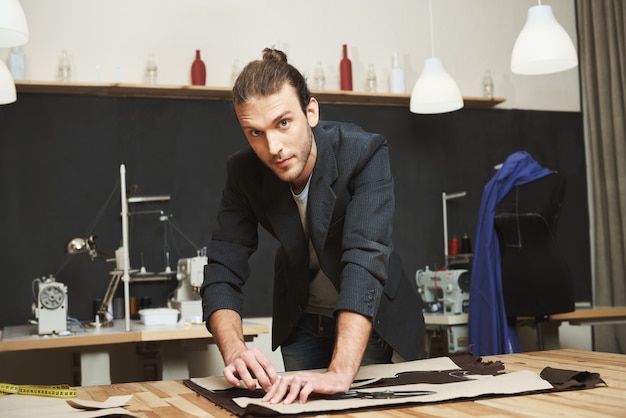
x=50 y=306
x=190 y=275
x=445 y=291
x=446 y=295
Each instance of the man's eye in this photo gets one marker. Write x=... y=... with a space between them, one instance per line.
x=284 y=123
x=255 y=132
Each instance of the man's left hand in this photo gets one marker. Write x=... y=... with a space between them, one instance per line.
x=300 y=385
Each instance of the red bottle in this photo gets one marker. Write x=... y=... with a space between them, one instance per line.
x=345 y=68
x=198 y=71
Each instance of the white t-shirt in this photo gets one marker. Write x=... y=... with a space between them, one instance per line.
x=322 y=294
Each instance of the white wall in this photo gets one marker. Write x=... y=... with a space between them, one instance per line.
x=470 y=36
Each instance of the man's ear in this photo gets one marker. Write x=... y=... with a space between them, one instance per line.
x=313 y=112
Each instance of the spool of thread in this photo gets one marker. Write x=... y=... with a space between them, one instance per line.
x=118 y=308
x=134 y=307
x=455 y=246
x=466 y=244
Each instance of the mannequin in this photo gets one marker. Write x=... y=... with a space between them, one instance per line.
x=536 y=281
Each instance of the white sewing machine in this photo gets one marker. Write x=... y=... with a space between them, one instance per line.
x=50 y=306
x=445 y=291
x=190 y=275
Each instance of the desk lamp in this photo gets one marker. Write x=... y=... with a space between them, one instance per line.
x=88 y=245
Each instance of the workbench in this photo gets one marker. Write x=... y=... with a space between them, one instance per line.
x=93 y=345
x=173 y=398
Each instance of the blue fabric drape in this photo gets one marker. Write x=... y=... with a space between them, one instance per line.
x=488 y=329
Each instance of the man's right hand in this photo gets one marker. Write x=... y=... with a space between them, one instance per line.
x=250 y=366
x=242 y=363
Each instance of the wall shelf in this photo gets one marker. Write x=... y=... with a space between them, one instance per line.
x=220 y=93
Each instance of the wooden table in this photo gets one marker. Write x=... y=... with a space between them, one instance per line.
x=24 y=337
x=93 y=344
x=592 y=316
x=172 y=398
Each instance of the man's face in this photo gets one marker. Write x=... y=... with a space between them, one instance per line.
x=280 y=134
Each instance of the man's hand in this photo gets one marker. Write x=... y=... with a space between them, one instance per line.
x=249 y=365
x=300 y=385
x=353 y=331
x=242 y=363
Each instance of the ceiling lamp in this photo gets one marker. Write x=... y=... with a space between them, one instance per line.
x=435 y=91
x=543 y=46
x=13 y=27
x=13 y=32
x=7 y=86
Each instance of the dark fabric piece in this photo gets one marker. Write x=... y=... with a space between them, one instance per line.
x=467 y=363
x=560 y=379
x=224 y=398
x=571 y=379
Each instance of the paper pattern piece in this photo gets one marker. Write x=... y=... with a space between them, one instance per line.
x=503 y=384
x=17 y=406
x=370 y=373
x=112 y=402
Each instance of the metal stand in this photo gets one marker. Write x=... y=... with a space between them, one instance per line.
x=125 y=243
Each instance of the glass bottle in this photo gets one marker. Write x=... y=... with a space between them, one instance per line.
x=234 y=72
x=371 y=84
x=198 y=71
x=65 y=69
x=487 y=85
x=319 y=79
x=345 y=70
x=16 y=63
x=151 y=70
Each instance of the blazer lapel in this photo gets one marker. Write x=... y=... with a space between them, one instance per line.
x=322 y=198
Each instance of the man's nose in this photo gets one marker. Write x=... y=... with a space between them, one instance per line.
x=274 y=142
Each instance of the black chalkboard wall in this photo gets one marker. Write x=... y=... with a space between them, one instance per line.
x=61 y=157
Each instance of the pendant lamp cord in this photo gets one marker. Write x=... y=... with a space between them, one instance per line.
x=432 y=32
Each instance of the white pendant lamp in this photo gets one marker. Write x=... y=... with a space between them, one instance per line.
x=13 y=26
x=435 y=91
x=7 y=86
x=543 y=46
x=13 y=32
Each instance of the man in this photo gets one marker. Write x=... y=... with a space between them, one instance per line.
x=324 y=190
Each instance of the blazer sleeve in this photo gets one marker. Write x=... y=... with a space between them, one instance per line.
x=367 y=229
x=233 y=241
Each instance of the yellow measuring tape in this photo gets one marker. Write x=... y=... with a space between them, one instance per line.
x=53 y=391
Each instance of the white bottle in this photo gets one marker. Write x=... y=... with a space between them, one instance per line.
x=396 y=77
x=16 y=63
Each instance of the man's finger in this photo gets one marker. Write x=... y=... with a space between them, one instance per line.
x=244 y=374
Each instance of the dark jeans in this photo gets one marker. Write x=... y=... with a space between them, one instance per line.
x=311 y=344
